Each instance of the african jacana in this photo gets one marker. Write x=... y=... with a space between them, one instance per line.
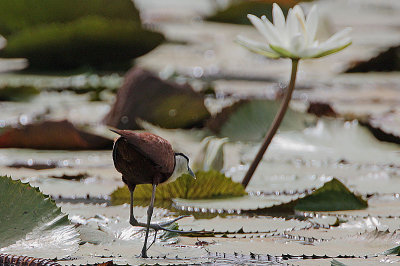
x=145 y=158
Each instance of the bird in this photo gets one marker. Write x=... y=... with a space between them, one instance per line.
x=146 y=158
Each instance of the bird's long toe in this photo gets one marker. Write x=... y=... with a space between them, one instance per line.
x=134 y=222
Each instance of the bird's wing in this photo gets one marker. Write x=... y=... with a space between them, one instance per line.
x=153 y=147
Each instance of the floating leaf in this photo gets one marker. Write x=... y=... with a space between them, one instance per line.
x=337 y=263
x=386 y=61
x=332 y=196
x=32 y=222
x=237 y=11
x=211 y=184
x=52 y=135
x=392 y=251
x=64 y=46
x=145 y=96
x=32 y=12
x=249 y=120
x=21 y=93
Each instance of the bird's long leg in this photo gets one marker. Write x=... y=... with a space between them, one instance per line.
x=132 y=219
x=149 y=214
x=154 y=240
x=156 y=227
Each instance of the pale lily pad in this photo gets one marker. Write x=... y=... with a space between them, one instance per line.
x=368 y=244
x=211 y=184
x=32 y=224
x=243 y=224
x=249 y=120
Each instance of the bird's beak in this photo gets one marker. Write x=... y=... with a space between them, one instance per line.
x=191 y=173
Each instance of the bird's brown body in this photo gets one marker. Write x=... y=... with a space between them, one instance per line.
x=143 y=158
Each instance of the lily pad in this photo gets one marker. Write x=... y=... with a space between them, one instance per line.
x=333 y=196
x=237 y=12
x=249 y=120
x=211 y=184
x=52 y=135
x=16 y=15
x=166 y=104
x=92 y=41
x=337 y=263
x=22 y=93
x=393 y=251
x=388 y=60
x=32 y=222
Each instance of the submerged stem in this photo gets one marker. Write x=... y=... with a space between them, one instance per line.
x=275 y=125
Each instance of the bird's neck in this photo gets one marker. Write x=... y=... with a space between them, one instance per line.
x=179 y=169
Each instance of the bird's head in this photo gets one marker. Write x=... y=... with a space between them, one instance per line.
x=181 y=166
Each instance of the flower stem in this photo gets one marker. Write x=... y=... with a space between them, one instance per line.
x=275 y=125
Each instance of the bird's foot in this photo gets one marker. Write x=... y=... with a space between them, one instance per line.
x=162 y=226
x=144 y=253
x=133 y=221
x=156 y=227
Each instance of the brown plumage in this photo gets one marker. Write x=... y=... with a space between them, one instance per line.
x=143 y=158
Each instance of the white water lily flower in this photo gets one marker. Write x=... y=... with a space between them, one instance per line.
x=295 y=37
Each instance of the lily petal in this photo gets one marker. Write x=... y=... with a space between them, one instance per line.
x=260 y=26
x=299 y=13
x=278 y=17
x=331 y=44
x=256 y=47
x=332 y=51
x=292 y=26
x=339 y=35
x=312 y=23
x=283 y=52
x=294 y=38
x=275 y=39
x=297 y=44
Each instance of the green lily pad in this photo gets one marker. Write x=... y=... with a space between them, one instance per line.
x=21 y=93
x=249 y=120
x=392 y=251
x=207 y=185
x=337 y=263
x=237 y=12
x=66 y=46
x=31 y=219
x=16 y=15
x=332 y=196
